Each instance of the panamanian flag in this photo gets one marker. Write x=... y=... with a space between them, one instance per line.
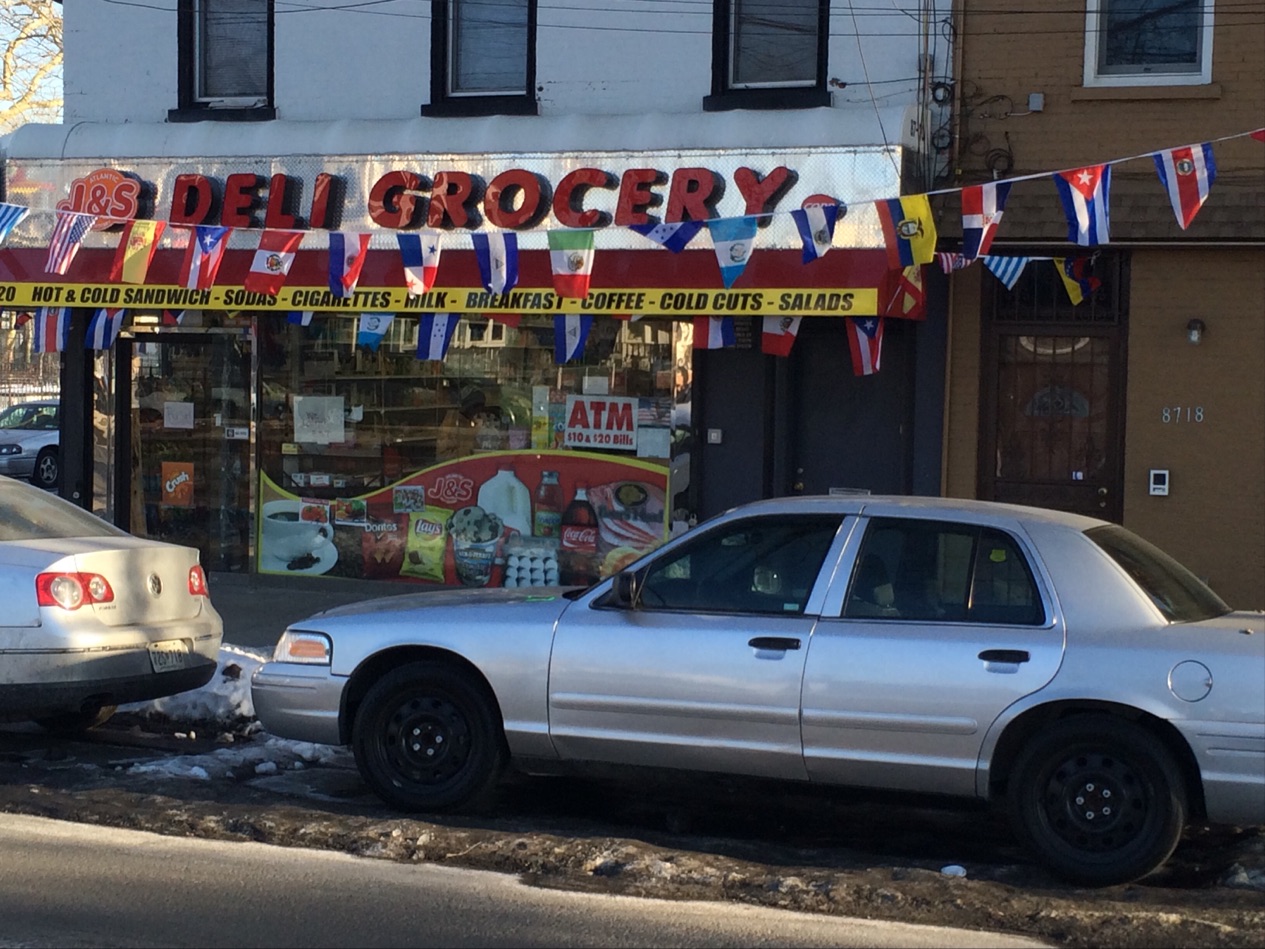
x=498 y=260
x=1085 y=194
x=434 y=334
x=419 y=253
x=675 y=237
x=816 y=224
x=982 y=207
x=1187 y=173
x=347 y=253
x=569 y=336
x=734 y=239
x=714 y=332
x=103 y=328
x=52 y=329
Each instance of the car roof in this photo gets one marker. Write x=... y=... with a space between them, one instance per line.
x=895 y=505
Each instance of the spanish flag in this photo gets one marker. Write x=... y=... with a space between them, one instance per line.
x=136 y=250
x=908 y=229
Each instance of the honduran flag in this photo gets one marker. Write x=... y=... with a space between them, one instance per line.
x=865 y=337
x=734 y=239
x=1007 y=269
x=203 y=257
x=1085 y=196
x=347 y=253
x=371 y=329
x=103 y=328
x=434 y=334
x=11 y=216
x=674 y=237
x=909 y=230
x=136 y=249
x=777 y=335
x=300 y=317
x=571 y=257
x=714 y=332
x=1187 y=173
x=569 y=336
x=816 y=224
x=982 y=207
x=419 y=253
x=52 y=329
x=498 y=260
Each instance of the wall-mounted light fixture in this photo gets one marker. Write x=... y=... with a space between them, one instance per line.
x=1195 y=331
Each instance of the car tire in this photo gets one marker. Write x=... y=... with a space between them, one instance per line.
x=47 y=471
x=428 y=737
x=76 y=723
x=1098 y=799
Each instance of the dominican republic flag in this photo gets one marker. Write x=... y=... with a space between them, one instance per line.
x=300 y=317
x=52 y=329
x=734 y=239
x=908 y=230
x=1085 y=194
x=272 y=261
x=136 y=249
x=203 y=257
x=1080 y=283
x=419 y=253
x=865 y=338
x=103 y=328
x=714 y=332
x=777 y=335
x=347 y=253
x=498 y=260
x=1188 y=174
x=434 y=334
x=11 y=216
x=816 y=225
x=571 y=257
x=1007 y=269
x=569 y=336
x=982 y=207
x=674 y=237
x=69 y=233
x=951 y=262
x=373 y=326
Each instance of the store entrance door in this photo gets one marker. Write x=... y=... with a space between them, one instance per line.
x=189 y=433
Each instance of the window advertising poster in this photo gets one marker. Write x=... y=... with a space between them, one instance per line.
x=496 y=519
x=177 y=486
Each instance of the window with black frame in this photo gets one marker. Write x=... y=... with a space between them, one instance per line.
x=483 y=57
x=1147 y=42
x=226 y=60
x=769 y=54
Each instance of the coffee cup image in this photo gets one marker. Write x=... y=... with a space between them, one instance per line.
x=287 y=536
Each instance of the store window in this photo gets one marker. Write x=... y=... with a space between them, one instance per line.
x=1148 y=42
x=483 y=57
x=769 y=54
x=226 y=58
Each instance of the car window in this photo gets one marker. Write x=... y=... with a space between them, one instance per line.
x=30 y=417
x=31 y=514
x=761 y=565
x=910 y=569
x=1180 y=595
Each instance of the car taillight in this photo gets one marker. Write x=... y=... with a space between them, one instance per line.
x=197 y=581
x=72 y=590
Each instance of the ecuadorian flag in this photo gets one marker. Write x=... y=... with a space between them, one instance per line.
x=908 y=229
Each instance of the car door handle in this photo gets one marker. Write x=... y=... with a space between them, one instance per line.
x=1005 y=655
x=774 y=642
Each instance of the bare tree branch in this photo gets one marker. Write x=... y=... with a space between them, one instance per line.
x=30 y=62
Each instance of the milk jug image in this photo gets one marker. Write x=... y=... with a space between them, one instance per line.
x=507 y=497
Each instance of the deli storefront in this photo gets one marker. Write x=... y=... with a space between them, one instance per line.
x=547 y=439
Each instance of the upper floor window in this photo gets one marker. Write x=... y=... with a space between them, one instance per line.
x=769 y=54
x=225 y=59
x=483 y=57
x=1148 y=42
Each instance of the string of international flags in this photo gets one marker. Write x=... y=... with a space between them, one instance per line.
x=1185 y=172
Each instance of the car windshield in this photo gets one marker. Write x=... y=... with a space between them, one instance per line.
x=30 y=417
x=31 y=514
x=1180 y=595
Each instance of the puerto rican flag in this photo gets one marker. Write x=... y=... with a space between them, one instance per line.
x=347 y=253
x=1188 y=173
x=865 y=338
x=498 y=260
x=982 y=207
x=52 y=329
x=777 y=334
x=203 y=257
x=434 y=334
x=103 y=328
x=714 y=332
x=272 y=261
x=1084 y=193
x=419 y=253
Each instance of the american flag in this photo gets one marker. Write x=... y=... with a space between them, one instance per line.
x=67 y=236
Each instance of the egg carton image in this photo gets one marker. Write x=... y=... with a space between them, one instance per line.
x=531 y=562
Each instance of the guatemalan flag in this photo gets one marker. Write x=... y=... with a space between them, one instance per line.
x=434 y=334
x=1085 y=193
x=498 y=260
x=569 y=336
x=734 y=239
x=419 y=253
x=816 y=225
x=347 y=253
x=1007 y=269
x=865 y=337
x=777 y=335
x=982 y=207
x=674 y=237
x=103 y=328
x=372 y=327
x=203 y=257
x=52 y=329
x=1188 y=174
x=714 y=332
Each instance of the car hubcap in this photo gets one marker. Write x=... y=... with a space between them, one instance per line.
x=427 y=740
x=1096 y=802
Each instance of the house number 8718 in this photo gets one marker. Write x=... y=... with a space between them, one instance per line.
x=1182 y=413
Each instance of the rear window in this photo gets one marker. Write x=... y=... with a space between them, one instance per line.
x=32 y=514
x=1176 y=592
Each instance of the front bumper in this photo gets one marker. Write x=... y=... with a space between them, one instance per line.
x=297 y=701
x=17 y=466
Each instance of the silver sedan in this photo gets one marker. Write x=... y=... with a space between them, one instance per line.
x=92 y=617
x=1057 y=665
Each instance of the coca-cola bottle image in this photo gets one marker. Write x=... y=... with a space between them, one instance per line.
x=577 y=548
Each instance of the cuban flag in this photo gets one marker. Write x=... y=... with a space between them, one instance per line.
x=498 y=260
x=103 y=328
x=569 y=336
x=1187 y=173
x=68 y=235
x=434 y=335
x=865 y=338
x=347 y=253
x=52 y=329
x=714 y=332
x=734 y=239
x=1085 y=193
x=1007 y=269
x=419 y=253
x=777 y=335
x=371 y=329
x=203 y=257
x=11 y=216
x=674 y=237
x=982 y=207
x=300 y=317
x=816 y=225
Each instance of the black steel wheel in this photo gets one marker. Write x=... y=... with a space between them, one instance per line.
x=427 y=737
x=47 y=471
x=1098 y=799
x=76 y=723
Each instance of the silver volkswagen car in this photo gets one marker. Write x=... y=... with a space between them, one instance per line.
x=1058 y=665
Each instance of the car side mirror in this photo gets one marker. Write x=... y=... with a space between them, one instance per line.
x=626 y=589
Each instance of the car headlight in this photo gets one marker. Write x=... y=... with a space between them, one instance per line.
x=10 y=449
x=297 y=646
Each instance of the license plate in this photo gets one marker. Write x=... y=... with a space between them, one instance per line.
x=169 y=655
